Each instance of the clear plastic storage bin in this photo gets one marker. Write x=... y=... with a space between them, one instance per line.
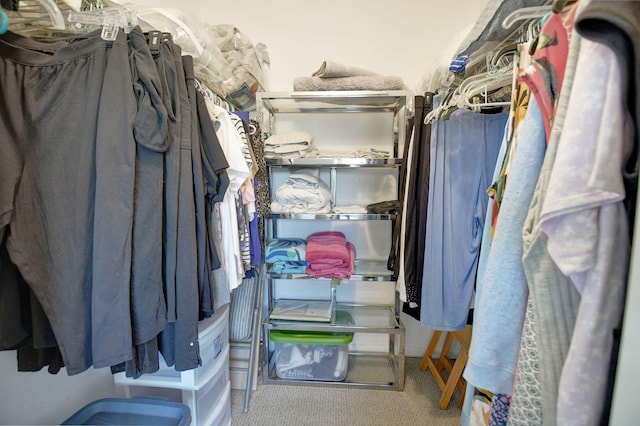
x=311 y=355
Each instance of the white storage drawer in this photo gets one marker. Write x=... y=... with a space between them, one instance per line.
x=221 y=415
x=213 y=338
x=214 y=402
x=208 y=405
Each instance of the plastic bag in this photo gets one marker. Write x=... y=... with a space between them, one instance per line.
x=224 y=57
x=248 y=63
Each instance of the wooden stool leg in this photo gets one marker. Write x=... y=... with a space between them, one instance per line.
x=433 y=343
x=463 y=392
x=454 y=377
x=454 y=369
x=443 y=361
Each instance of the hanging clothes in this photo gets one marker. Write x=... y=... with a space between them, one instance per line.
x=414 y=205
x=83 y=286
x=616 y=25
x=179 y=340
x=552 y=299
x=148 y=306
x=215 y=165
x=464 y=149
x=585 y=220
x=238 y=172
x=485 y=247
x=128 y=272
x=263 y=188
x=500 y=309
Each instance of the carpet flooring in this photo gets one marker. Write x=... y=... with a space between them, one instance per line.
x=282 y=405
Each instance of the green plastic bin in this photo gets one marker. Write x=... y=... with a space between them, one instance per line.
x=311 y=355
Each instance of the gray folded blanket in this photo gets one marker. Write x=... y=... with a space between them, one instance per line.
x=362 y=82
x=334 y=76
x=330 y=69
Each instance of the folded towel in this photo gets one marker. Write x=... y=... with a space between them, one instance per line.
x=373 y=153
x=333 y=69
x=324 y=270
x=293 y=267
x=354 y=208
x=362 y=82
x=295 y=136
x=303 y=180
x=297 y=195
x=310 y=208
x=330 y=255
x=327 y=248
x=303 y=192
x=288 y=155
x=289 y=148
x=286 y=250
x=294 y=144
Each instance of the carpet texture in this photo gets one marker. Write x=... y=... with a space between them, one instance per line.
x=322 y=406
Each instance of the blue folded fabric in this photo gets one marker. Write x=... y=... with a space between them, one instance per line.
x=286 y=250
x=292 y=267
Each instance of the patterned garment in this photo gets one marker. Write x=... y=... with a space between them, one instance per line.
x=246 y=147
x=480 y=408
x=521 y=96
x=526 y=402
x=545 y=75
x=243 y=234
x=263 y=190
x=499 y=412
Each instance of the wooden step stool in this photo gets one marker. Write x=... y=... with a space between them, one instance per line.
x=453 y=369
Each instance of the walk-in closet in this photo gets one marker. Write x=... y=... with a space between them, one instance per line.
x=345 y=213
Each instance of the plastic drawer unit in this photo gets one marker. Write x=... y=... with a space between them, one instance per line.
x=311 y=355
x=208 y=404
x=204 y=389
x=213 y=337
x=131 y=411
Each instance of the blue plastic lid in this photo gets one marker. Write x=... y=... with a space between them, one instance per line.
x=131 y=411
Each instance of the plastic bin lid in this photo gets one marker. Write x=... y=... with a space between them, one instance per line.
x=131 y=411
x=304 y=337
x=310 y=337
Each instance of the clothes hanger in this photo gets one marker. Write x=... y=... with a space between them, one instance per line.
x=157 y=17
x=525 y=13
x=481 y=87
x=36 y=18
x=498 y=69
x=57 y=20
x=110 y=17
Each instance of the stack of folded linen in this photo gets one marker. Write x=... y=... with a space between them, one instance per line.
x=294 y=144
x=330 y=255
x=303 y=192
x=287 y=256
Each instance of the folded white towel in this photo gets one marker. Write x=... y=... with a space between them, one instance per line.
x=302 y=180
x=287 y=138
x=286 y=148
x=349 y=209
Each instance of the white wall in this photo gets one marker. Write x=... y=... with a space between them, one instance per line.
x=41 y=398
x=401 y=37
